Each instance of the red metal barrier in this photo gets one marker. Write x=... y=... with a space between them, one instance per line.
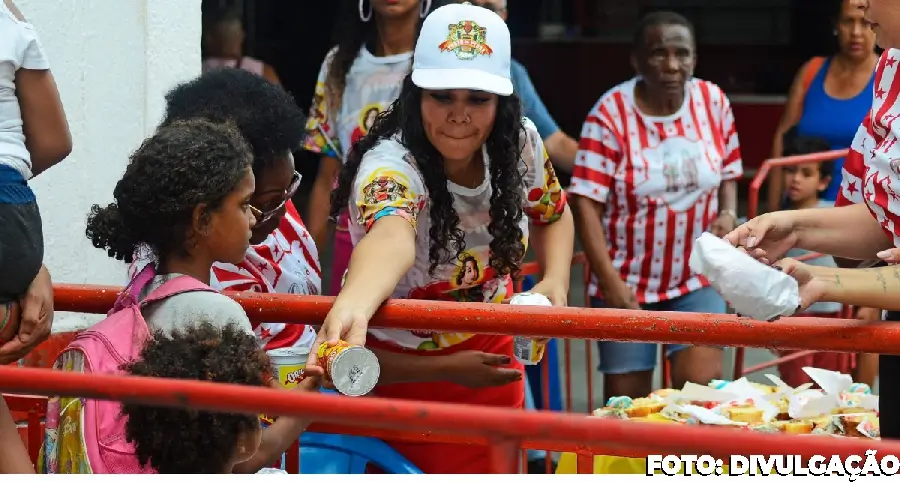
x=753 y=211
x=504 y=429
x=596 y=324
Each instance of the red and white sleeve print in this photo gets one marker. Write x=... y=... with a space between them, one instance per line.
x=599 y=155
x=854 y=170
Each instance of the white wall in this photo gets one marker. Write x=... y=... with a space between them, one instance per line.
x=113 y=61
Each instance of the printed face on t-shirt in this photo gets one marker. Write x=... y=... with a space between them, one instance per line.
x=678 y=172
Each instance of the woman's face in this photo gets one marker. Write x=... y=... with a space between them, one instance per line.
x=370 y=118
x=855 y=38
x=458 y=122
x=470 y=274
x=391 y=9
x=224 y=233
x=666 y=59
x=884 y=18
x=273 y=186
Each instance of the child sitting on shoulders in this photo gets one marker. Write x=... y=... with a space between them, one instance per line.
x=189 y=441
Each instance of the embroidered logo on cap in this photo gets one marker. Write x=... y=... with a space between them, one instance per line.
x=467 y=40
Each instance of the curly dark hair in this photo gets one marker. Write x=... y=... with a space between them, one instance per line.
x=184 y=164
x=504 y=149
x=264 y=113
x=187 y=441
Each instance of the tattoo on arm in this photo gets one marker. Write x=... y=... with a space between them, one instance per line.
x=837 y=280
x=881 y=280
x=896 y=270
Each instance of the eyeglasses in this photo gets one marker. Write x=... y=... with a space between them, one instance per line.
x=263 y=216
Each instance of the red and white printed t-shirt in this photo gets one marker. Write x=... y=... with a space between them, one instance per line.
x=389 y=183
x=659 y=179
x=873 y=165
x=287 y=261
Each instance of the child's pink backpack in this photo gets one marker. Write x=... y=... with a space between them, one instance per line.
x=85 y=436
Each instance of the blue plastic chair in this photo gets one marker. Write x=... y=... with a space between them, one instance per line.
x=326 y=453
x=332 y=453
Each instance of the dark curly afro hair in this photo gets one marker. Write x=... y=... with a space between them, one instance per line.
x=185 y=441
x=447 y=238
x=264 y=113
x=184 y=164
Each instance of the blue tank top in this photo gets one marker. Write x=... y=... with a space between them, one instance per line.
x=835 y=120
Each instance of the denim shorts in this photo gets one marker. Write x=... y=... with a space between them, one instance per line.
x=618 y=357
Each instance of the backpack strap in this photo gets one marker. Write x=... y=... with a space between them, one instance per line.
x=129 y=296
x=814 y=66
x=175 y=286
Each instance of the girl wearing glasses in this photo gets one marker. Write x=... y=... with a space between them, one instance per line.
x=282 y=257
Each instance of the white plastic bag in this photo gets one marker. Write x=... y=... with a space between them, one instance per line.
x=752 y=288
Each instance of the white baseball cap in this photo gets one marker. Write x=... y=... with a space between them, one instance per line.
x=463 y=46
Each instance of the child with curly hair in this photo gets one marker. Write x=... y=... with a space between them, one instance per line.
x=185 y=197
x=187 y=441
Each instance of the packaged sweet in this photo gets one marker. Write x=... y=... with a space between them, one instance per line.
x=840 y=409
x=750 y=287
x=529 y=351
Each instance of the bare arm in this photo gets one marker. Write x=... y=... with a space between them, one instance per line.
x=793 y=110
x=562 y=150
x=588 y=216
x=47 y=135
x=320 y=199
x=377 y=264
x=846 y=232
x=872 y=287
x=553 y=244
x=400 y=368
x=728 y=192
x=13 y=456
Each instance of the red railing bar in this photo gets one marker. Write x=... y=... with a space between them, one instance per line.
x=38 y=406
x=598 y=324
x=488 y=422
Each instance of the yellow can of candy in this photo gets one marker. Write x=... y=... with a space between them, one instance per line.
x=353 y=370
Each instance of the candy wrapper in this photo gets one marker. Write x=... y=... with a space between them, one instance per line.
x=838 y=391
x=750 y=287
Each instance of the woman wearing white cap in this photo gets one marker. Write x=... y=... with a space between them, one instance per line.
x=444 y=192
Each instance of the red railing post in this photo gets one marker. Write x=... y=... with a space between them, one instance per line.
x=505 y=455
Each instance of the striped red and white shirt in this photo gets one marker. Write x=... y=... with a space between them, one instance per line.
x=659 y=179
x=873 y=165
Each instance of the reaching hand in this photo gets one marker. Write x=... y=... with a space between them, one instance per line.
x=723 y=225
x=476 y=369
x=555 y=291
x=347 y=324
x=767 y=238
x=812 y=289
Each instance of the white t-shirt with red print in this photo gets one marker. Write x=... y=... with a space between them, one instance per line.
x=372 y=85
x=389 y=183
x=287 y=261
x=659 y=179
x=872 y=167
